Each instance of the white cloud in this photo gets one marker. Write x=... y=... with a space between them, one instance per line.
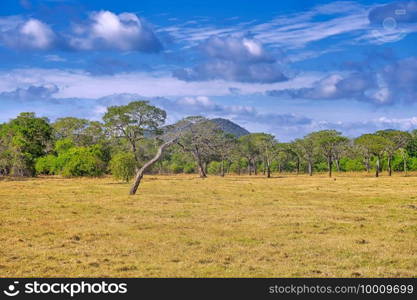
x=30 y=34
x=106 y=30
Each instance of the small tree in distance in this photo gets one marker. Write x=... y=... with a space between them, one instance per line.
x=123 y=166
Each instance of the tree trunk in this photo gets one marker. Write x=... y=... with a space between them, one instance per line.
x=405 y=165
x=249 y=168
x=337 y=165
x=255 y=169
x=377 y=167
x=135 y=154
x=201 y=167
x=310 y=169
x=142 y=170
x=389 y=166
x=222 y=169
x=367 y=165
x=205 y=168
x=268 y=171
x=298 y=165
x=330 y=164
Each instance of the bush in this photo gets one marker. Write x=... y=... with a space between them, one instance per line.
x=46 y=165
x=352 y=165
x=83 y=161
x=189 y=168
x=214 y=167
x=176 y=168
x=123 y=166
x=412 y=165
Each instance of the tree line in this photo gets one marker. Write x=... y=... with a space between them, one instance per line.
x=129 y=136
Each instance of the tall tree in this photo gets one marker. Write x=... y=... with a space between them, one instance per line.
x=225 y=145
x=266 y=145
x=133 y=122
x=249 y=150
x=327 y=142
x=307 y=150
x=375 y=145
x=27 y=137
x=397 y=140
x=199 y=139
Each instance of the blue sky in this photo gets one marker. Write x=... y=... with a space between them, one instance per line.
x=287 y=68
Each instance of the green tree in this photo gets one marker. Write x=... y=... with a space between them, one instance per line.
x=375 y=145
x=266 y=148
x=397 y=140
x=327 y=141
x=27 y=138
x=133 y=122
x=249 y=150
x=306 y=149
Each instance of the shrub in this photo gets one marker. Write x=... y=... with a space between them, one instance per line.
x=46 y=165
x=176 y=168
x=214 y=167
x=352 y=165
x=83 y=161
x=189 y=168
x=123 y=166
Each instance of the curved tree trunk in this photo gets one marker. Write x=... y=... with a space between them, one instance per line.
x=142 y=170
x=310 y=169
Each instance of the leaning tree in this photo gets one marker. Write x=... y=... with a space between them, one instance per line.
x=192 y=134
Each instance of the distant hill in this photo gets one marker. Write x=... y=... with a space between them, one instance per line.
x=230 y=127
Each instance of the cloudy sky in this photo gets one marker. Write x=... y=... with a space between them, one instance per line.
x=284 y=67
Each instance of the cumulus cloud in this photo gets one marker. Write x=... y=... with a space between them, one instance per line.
x=103 y=30
x=106 y=30
x=231 y=58
x=31 y=34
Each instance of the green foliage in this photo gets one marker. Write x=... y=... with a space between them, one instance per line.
x=351 y=165
x=83 y=161
x=189 y=167
x=176 y=168
x=46 y=165
x=72 y=161
x=214 y=168
x=123 y=166
x=24 y=139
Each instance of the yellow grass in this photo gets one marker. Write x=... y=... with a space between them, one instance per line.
x=182 y=226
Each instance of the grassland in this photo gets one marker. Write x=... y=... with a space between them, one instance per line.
x=182 y=226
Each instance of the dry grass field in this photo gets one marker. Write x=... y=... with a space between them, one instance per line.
x=237 y=226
